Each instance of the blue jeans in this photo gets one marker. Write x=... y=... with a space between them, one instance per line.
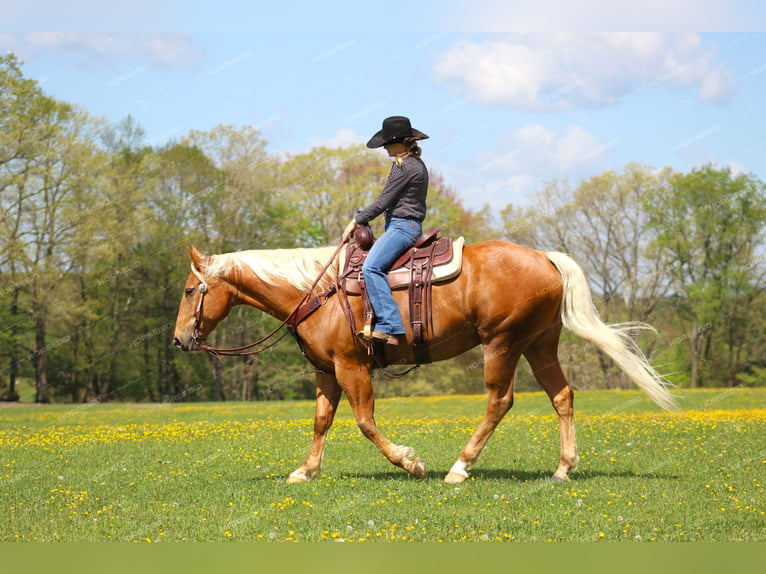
x=399 y=236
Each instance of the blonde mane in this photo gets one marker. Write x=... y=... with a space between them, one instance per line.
x=299 y=267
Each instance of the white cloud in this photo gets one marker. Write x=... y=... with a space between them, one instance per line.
x=736 y=168
x=342 y=138
x=598 y=15
x=537 y=150
x=164 y=49
x=699 y=156
x=516 y=189
x=562 y=71
x=522 y=159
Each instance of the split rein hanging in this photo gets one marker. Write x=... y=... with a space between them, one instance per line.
x=250 y=348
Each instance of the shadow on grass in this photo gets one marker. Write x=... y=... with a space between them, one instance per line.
x=577 y=475
x=508 y=475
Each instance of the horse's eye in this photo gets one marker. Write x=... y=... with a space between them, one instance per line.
x=189 y=291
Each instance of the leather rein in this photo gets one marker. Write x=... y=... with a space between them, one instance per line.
x=250 y=349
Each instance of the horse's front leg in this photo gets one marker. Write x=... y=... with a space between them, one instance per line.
x=499 y=367
x=328 y=394
x=356 y=383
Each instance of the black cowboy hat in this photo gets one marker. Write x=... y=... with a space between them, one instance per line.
x=395 y=128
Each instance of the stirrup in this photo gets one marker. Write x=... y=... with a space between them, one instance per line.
x=378 y=337
x=367 y=328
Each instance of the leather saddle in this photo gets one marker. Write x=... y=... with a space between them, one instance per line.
x=446 y=260
x=430 y=260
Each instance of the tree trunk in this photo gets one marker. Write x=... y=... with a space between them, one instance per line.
x=40 y=360
x=218 y=394
x=734 y=355
x=13 y=368
x=72 y=377
x=696 y=349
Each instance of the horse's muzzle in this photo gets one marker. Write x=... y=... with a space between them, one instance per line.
x=189 y=345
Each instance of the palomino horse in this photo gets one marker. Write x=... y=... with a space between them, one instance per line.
x=510 y=299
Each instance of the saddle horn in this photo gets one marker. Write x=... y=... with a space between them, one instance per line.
x=364 y=237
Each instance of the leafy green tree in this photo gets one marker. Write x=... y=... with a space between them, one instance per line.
x=17 y=139
x=48 y=162
x=447 y=211
x=602 y=222
x=326 y=186
x=239 y=208
x=118 y=281
x=710 y=223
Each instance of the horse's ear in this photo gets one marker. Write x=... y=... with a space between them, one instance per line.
x=195 y=255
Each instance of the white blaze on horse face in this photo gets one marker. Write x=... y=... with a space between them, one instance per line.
x=186 y=322
x=183 y=334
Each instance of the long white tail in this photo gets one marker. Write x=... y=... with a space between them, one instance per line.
x=579 y=315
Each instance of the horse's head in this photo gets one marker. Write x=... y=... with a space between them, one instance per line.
x=205 y=302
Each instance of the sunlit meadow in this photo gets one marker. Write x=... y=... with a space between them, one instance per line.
x=213 y=472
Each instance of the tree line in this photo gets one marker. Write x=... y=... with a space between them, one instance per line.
x=95 y=225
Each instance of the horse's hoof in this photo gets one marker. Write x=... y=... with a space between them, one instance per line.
x=295 y=478
x=455 y=477
x=418 y=468
x=557 y=478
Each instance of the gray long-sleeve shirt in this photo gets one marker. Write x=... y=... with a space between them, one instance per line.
x=404 y=194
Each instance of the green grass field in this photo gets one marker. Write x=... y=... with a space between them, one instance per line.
x=215 y=472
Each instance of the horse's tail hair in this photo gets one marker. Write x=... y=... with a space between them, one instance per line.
x=579 y=315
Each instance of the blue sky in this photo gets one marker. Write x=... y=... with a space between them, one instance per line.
x=506 y=111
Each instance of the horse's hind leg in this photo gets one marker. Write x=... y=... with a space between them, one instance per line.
x=543 y=358
x=500 y=362
x=328 y=396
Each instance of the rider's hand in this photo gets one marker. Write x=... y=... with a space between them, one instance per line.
x=349 y=230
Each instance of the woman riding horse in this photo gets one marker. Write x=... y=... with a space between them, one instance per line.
x=403 y=200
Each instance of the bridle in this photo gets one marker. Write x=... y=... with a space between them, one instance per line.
x=197 y=335
x=249 y=349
